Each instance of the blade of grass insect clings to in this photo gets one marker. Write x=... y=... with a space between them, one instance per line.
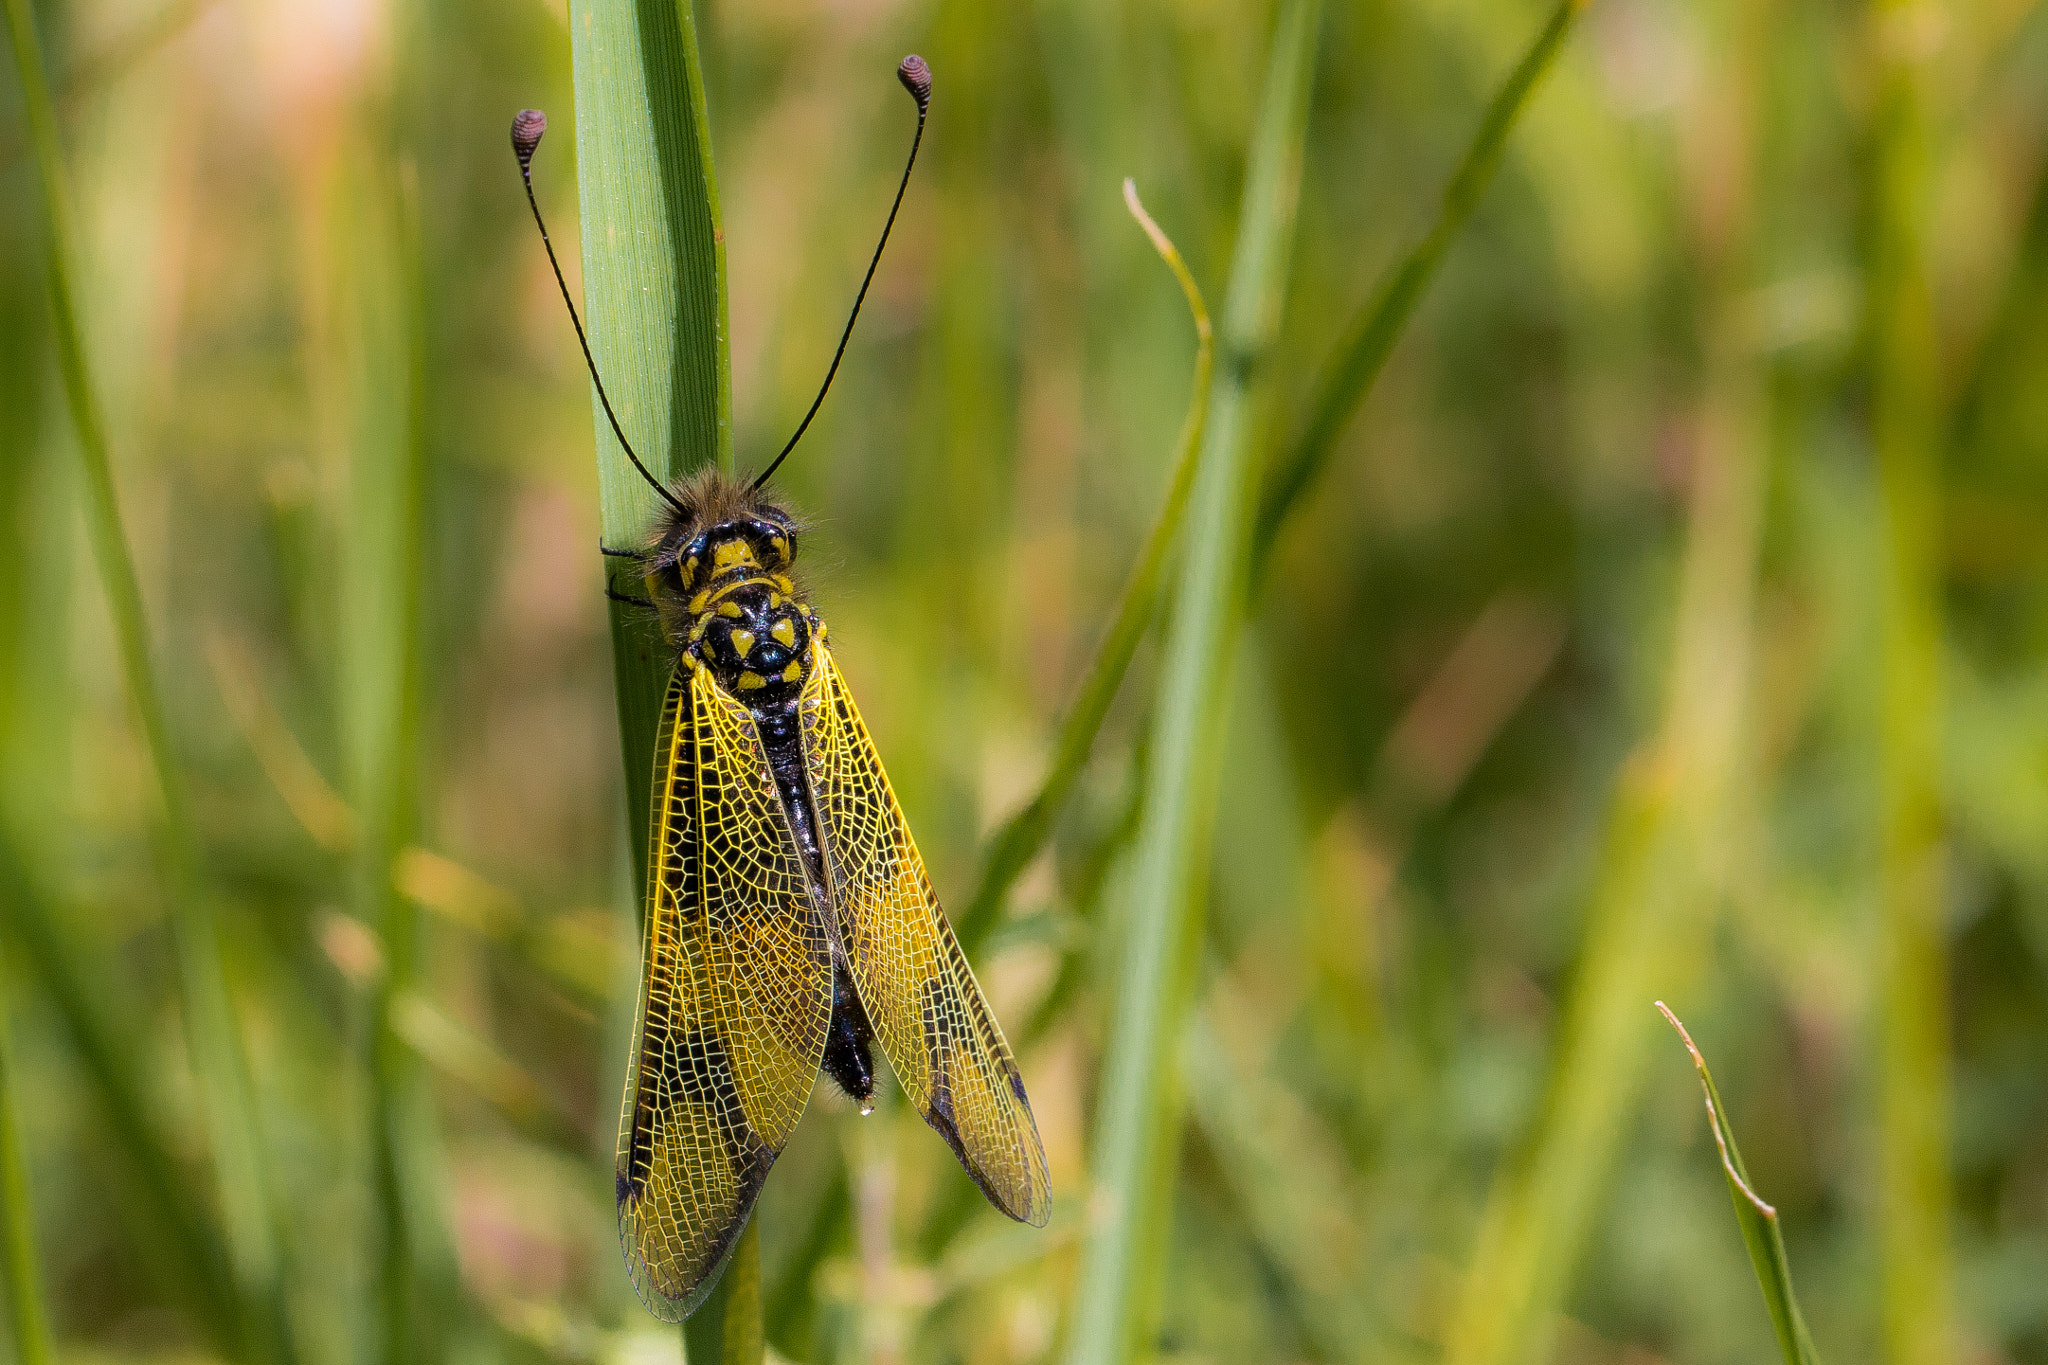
x=217 y=1055
x=1137 y=1123
x=1674 y=826
x=19 y=1268
x=1906 y=421
x=1024 y=833
x=655 y=300
x=1347 y=382
x=1758 y=1220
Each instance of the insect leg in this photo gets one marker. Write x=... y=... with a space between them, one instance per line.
x=628 y=599
x=605 y=549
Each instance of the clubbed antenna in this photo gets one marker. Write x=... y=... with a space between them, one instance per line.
x=527 y=127
x=917 y=79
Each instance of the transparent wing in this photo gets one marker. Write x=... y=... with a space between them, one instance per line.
x=928 y=1013
x=735 y=995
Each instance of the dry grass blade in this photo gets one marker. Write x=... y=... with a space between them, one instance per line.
x=1759 y=1221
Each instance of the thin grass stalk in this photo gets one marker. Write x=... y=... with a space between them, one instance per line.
x=1364 y=351
x=187 y=1249
x=1024 y=833
x=20 y=1268
x=1138 y=1110
x=1674 y=818
x=218 y=1057
x=654 y=295
x=383 y=698
x=1906 y=420
x=1347 y=383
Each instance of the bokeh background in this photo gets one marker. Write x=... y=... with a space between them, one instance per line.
x=1592 y=673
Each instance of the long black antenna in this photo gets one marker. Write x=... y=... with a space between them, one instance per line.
x=917 y=79
x=527 y=127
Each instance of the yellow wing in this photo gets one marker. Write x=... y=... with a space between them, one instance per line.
x=735 y=994
x=928 y=1013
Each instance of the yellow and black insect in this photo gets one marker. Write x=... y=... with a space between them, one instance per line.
x=790 y=923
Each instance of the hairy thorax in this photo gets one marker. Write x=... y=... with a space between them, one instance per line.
x=721 y=571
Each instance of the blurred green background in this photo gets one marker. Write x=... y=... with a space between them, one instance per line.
x=1672 y=622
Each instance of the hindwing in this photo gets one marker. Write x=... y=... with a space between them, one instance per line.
x=735 y=996
x=928 y=1013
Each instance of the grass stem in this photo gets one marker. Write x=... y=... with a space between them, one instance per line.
x=1138 y=1110
x=19 y=1268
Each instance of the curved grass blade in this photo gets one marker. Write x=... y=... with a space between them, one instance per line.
x=1758 y=1220
x=1024 y=833
x=218 y=1057
x=1138 y=1110
x=19 y=1268
x=1348 y=382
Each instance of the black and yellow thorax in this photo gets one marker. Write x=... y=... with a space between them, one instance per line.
x=722 y=577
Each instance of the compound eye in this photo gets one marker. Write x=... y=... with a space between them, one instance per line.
x=776 y=543
x=691 y=562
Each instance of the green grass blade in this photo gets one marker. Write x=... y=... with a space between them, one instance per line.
x=383 y=583
x=726 y=1330
x=1138 y=1112
x=1906 y=420
x=654 y=298
x=1758 y=1220
x=1364 y=351
x=654 y=303
x=1024 y=833
x=20 y=1269
x=1348 y=382
x=218 y=1058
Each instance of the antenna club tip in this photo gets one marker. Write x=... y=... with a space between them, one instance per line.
x=917 y=79
x=527 y=126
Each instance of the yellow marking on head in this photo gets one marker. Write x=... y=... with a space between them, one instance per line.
x=690 y=571
x=729 y=609
x=781 y=544
x=743 y=642
x=793 y=672
x=751 y=681
x=731 y=554
x=784 y=631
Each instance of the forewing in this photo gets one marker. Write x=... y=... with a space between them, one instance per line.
x=735 y=995
x=927 y=1011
